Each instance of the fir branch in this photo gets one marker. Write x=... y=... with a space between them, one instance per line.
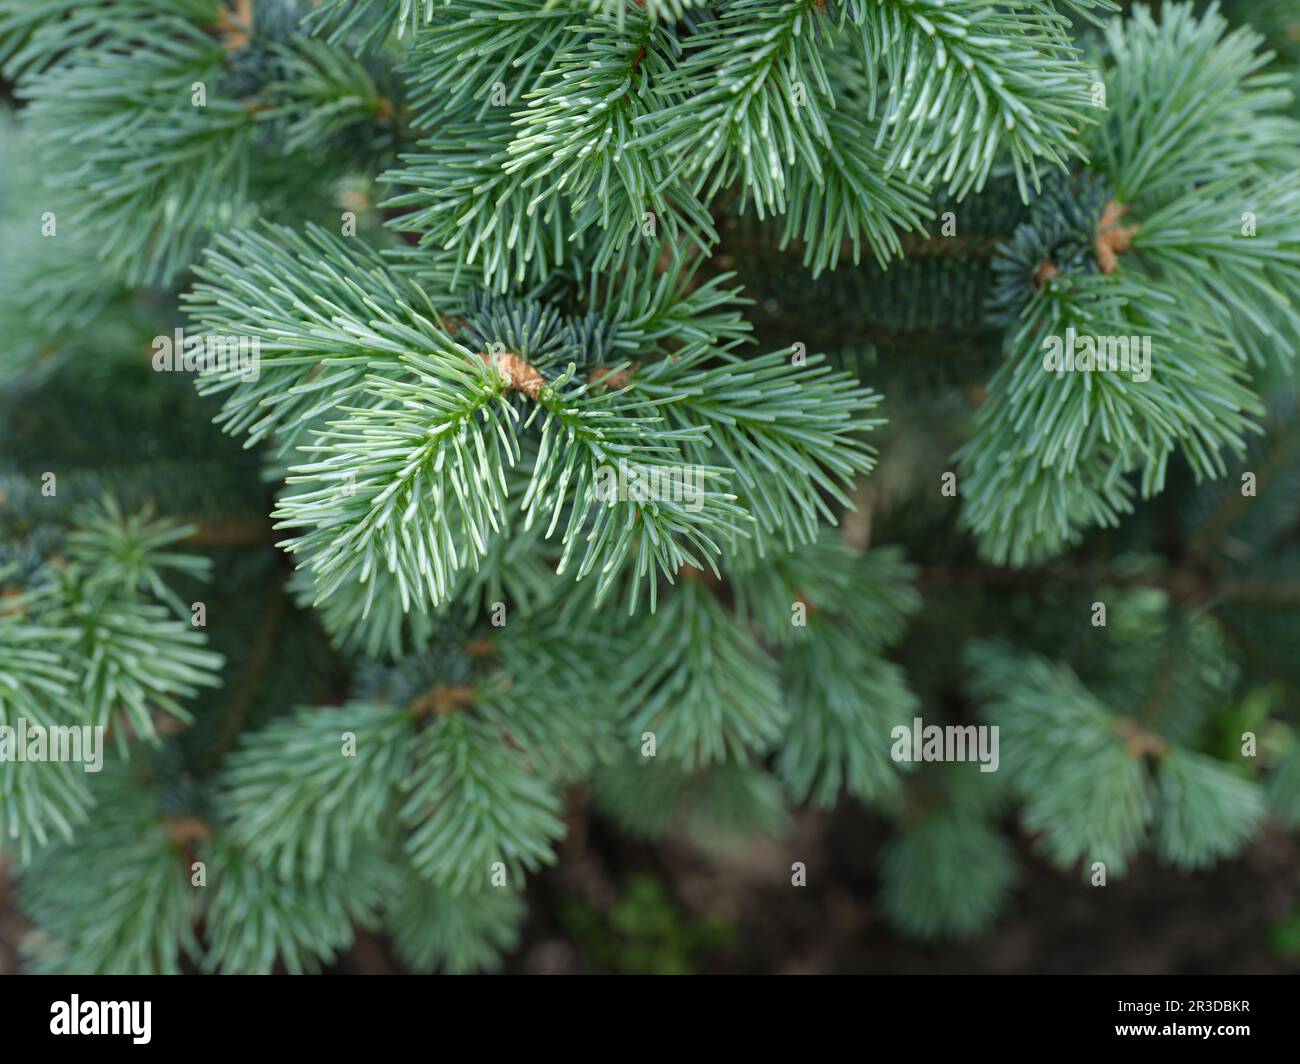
x=963 y=81
x=476 y=803
x=434 y=929
x=769 y=418
x=699 y=683
x=947 y=877
x=858 y=199
x=136 y=920
x=1207 y=812
x=38 y=801
x=749 y=98
x=124 y=137
x=844 y=702
x=1188 y=103
x=255 y=921
x=297 y=800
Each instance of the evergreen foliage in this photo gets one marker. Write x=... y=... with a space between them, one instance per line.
x=599 y=347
